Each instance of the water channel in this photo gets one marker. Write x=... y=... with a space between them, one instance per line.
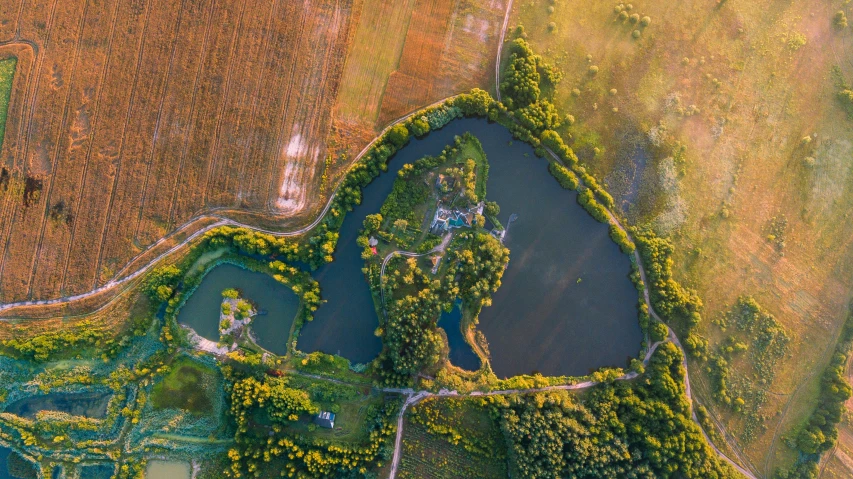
x=88 y=404
x=460 y=354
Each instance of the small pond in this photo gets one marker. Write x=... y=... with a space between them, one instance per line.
x=276 y=303
x=97 y=471
x=566 y=305
x=461 y=354
x=168 y=470
x=88 y=404
x=13 y=466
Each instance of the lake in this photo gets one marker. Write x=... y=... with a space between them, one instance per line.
x=88 y=404
x=278 y=302
x=566 y=305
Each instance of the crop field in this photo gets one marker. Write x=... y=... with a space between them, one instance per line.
x=718 y=123
x=439 y=455
x=130 y=117
x=408 y=54
x=7 y=73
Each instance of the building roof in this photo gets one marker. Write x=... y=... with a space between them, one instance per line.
x=325 y=419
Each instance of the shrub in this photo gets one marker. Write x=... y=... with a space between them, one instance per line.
x=521 y=78
x=621 y=238
x=566 y=178
x=840 y=19
x=658 y=331
x=645 y=21
x=636 y=34
x=594 y=208
x=623 y=15
x=550 y=9
x=398 y=136
x=846 y=98
x=420 y=126
x=552 y=27
x=634 y=18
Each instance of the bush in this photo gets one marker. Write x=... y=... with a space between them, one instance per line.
x=636 y=34
x=645 y=21
x=840 y=19
x=552 y=27
x=593 y=70
x=594 y=208
x=658 y=331
x=564 y=176
x=521 y=77
x=634 y=18
x=621 y=238
x=846 y=98
x=398 y=136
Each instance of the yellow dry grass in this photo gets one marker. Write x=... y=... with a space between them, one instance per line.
x=740 y=84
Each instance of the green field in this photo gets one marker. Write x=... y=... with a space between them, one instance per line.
x=187 y=386
x=7 y=73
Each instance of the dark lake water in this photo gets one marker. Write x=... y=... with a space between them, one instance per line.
x=97 y=471
x=542 y=319
x=88 y=404
x=460 y=354
x=271 y=330
x=5 y=473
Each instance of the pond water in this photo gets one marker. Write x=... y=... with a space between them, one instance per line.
x=23 y=465
x=277 y=303
x=168 y=470
x=461 y=355
x=97 y=471
x=566 y=305
x=88 y=404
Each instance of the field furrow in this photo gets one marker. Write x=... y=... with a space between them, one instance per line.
x=236 y=120
x=9 y=10
x=103 y=157
x=137 y=147
x=70 y=160
x=52 y=95
x=212 y=90
x=173 y=125
x=278 y=70
x=34 y=20
x=190 y=124
x=315 y=90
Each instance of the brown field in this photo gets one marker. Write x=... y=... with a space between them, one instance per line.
x=131 y=117
x=443 y=53
x=739 y=84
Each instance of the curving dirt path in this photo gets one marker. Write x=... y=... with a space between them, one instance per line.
x=120 y=280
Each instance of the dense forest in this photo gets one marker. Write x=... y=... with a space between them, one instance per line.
x=638 y=429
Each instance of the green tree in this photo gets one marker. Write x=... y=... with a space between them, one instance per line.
x=398 y=135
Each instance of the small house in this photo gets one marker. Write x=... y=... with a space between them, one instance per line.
x=325 y=419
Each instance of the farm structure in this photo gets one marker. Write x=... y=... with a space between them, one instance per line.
x=129 y=118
